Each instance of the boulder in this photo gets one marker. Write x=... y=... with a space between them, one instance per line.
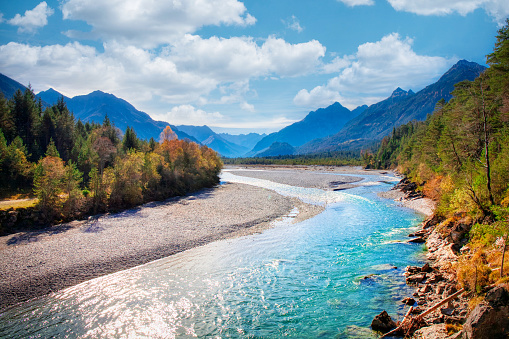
x=408 y=301
x=497 y=297
x=490 y=319
x=437 y=331
x=413 y=269
x=417 y=278
x=486 y=321
x=383 y=323
x=426 y=268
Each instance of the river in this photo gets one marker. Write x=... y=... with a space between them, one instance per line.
x=327 y=277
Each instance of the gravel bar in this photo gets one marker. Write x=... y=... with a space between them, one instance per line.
x=36 y=263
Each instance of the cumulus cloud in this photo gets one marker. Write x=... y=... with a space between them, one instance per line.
x=320 y=96
x=352 y=3
x=189 y=115
x=151 y=23
x=240 y=57
x=374 y=72
x=498 y=9
x=183 y=73
x=33 y=19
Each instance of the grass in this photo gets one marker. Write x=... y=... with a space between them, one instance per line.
x=17 y=203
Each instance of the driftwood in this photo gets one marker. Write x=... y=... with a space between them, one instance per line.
x=432 y=308
x=419 y=317
x=400 y=324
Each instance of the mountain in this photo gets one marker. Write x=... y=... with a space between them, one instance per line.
x=94 y=106
x=245 y=140
x=51 y=96
x=201 y=133
x=224 y=147
x=277 y=148
x=379 y=119
x=215 y=141
x=317 y=124
x=9 y=86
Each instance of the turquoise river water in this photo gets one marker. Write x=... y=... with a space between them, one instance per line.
x=300 y=280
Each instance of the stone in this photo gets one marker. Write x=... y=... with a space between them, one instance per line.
x=437 y=331
x=434 y=278
x=426 y=268
x=418 y=240
x=425 y=289
x=408 y=301
x=486 y=321
x=416 y=278
x=447 y=311
x=413 y=269
x=497 y=297
x=383 y=323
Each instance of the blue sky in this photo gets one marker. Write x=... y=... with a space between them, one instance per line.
x=240 y=66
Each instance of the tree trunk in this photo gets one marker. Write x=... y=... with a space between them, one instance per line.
x=486 y=146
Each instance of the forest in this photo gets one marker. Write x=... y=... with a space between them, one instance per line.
x=75 y=169
x=459 y=157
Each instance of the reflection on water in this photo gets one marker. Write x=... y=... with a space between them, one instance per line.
x=302 y=280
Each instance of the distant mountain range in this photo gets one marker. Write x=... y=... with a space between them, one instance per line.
x=327 y=129
x=379 y=119
x=225 y=144
x=317 y=124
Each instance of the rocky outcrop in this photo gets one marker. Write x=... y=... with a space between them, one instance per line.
x=490 y=319
x=383 y=323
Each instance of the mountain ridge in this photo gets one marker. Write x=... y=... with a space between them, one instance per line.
x=379 y=119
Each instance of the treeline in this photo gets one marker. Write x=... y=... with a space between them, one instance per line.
x=345 y=158
x=77 y=168
x=460 y=154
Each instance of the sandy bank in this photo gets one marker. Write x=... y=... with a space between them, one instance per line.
x=36 y=263
x=425 y=206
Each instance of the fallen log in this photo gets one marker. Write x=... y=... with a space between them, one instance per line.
x=434 y=307
x=419 y=317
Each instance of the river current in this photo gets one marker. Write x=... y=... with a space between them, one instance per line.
x=325 y=277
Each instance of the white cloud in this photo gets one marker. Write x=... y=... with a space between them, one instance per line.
x=238 y=58
x=245 y=106
x=293 y=24
x=375 y=71
x=498 y=9
x=189 y=115
x=352 y=3
x=320 y=96
x=337 y=64
x=184 y=73
x=33 y=19
x=152 y=23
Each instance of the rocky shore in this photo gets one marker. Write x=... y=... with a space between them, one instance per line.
x=439 y=308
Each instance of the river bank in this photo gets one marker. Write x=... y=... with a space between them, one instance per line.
x=440 y=308
x=37 y=263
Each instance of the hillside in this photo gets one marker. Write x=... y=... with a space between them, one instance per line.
x=94 y=106
x=9 y=86
x=379 y=119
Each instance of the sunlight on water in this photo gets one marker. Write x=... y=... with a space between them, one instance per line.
x=303 y=280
